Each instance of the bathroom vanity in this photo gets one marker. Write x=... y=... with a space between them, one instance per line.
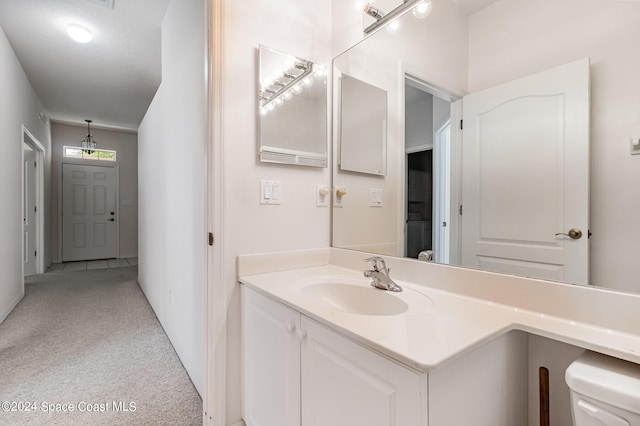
x=323 y=347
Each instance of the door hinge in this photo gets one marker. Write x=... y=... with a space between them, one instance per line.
x=211 y=239
x=35 y=254
x=460 y=209
x=35 y=209
x=461 y=126
x=35 y=164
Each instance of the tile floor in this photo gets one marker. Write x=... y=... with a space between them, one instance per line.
x=92 y=264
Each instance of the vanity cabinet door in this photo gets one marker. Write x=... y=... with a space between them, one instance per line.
x=345 y=384
x=271 y=362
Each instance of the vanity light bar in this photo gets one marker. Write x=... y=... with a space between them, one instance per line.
x=278 y=88
x=383 y=18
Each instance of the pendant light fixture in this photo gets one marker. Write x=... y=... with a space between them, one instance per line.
x=88 y=144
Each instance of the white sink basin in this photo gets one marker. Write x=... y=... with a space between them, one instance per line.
x=354 y=295
x=356 y=299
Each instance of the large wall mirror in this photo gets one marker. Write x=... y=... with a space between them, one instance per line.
x=292 y=109
x=509 y=140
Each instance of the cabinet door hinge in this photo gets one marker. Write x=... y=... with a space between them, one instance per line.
x=35 y=254
x=211 y=239
x=461 y=126
x=460 y=210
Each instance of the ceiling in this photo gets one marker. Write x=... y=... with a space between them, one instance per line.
x=472 y=6
x=111 y=79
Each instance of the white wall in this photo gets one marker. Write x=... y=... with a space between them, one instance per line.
x=301 y=28
x=419 y=123
x=19 y=106
x=514 y=38
x=126 y=147
x=171 y=178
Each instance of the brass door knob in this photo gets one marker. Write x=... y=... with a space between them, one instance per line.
x=574 y=234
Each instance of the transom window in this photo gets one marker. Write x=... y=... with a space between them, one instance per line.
x=96 y=154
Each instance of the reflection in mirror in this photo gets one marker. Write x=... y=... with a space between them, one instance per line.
x=549 y=109
x=380 y=12
x=363 y=127
x=428 y=170
x=292 y=103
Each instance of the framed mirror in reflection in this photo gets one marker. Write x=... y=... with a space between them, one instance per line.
x=363 y=127
x=292 y=109
x=538 y=180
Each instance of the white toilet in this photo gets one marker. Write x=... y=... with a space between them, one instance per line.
x=605 y=391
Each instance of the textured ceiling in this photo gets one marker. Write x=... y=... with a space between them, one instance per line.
x=112 y=79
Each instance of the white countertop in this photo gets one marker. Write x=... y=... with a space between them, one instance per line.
x=436 y=327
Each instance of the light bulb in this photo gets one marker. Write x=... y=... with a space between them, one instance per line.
x=393 y=26
x=307 y=81
x=288 y=63
x=266 y=84
x=288 y=95
x=279 y=101
x=79 y=33
x=297 y=89
x=263 y=111
x=271 y=107
x=321 y=72
x=422 y=10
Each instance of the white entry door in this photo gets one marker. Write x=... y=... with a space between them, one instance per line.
x=30 y=211
x=526 y=176
x=88 y=212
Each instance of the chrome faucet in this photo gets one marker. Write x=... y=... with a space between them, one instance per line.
x=380 y=275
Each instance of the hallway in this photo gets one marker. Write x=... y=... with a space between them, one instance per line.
x=86 y=347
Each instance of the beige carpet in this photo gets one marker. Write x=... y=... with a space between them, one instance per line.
x=91 y=341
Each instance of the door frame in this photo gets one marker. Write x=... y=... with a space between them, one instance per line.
x=455 y=100
x=39 y=149
x=116 y=168
x=215 y=293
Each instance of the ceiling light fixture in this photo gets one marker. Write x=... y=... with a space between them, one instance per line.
x=79 y=33
x=88 y=144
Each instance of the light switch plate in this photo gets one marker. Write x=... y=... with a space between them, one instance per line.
x=337 y=200
x=322 y=200
x=375 y=197
x=270 y=192
x=635 y=145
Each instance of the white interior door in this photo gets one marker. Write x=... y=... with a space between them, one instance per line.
x=526 y=175
x=88 y=212
x=30 y=211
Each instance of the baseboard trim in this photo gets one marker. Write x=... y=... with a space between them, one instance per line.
x=12 y=305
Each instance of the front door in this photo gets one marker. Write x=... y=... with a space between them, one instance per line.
x=88 y=212
x=526 y=176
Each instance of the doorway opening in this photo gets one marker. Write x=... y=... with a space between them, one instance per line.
x=428 y=171
x=32 y=204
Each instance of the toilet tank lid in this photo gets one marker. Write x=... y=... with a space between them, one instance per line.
x=603 y=378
